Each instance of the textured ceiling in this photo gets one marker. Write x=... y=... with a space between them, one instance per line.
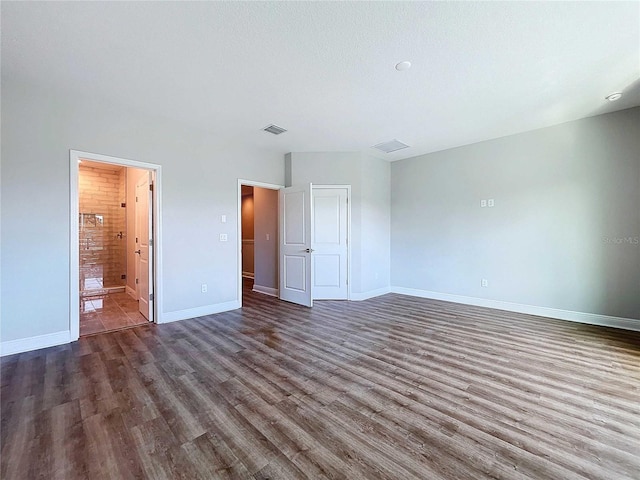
x=325 y=70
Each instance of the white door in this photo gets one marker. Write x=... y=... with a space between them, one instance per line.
x=330 y=250
x=296 y=229
x=144 y=254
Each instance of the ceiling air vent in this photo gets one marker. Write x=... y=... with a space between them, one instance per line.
x=392 y=146
x=276 y=130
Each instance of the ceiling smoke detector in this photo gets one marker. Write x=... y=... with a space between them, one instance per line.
x=391 y=146
x=613 y=97
x=275 y=129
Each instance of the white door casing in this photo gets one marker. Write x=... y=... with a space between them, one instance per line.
x=75 y=157
x=253 y=183
x=296 y=234
x=330 y=247
x=144 y=246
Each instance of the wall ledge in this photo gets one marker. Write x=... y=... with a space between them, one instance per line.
x=168 y=317
x=569 y=315
x=21 y=345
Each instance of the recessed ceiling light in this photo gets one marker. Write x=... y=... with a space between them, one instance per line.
x=402 y=66
x=614 y=96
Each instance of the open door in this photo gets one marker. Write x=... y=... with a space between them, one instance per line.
x=144 y=246
x=296 y=233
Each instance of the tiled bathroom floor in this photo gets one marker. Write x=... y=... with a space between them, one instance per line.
x=113 y=311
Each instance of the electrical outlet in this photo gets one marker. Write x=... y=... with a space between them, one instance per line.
x=491 y=202
x=483 y=203
x=223 y=237
x=484 y=282
x=203 y=288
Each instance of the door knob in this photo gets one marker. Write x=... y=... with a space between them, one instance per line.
x=137 y=251
x=309 y=250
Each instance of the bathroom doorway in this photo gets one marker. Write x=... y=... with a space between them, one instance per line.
x=115 y=229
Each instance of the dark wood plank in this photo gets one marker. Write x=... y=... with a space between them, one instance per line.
x=392 y=387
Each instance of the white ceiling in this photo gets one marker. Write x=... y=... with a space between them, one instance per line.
x=325 y=70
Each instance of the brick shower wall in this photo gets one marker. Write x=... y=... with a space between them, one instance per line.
x=102 y=218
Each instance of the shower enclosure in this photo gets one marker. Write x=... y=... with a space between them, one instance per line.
x=102 y=232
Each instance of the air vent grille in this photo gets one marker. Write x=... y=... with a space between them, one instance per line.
x=275 y=129
x=392 y=146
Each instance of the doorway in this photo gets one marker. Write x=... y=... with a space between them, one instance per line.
x=329 y=261
x=115 y=233
x=258 y=238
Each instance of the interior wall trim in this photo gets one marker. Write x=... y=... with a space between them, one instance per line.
x=251 y=183
x=21 y=345
x=75 y=156
x=199 y=311
x=266 y=290
x=569 y=315
x=359 y=296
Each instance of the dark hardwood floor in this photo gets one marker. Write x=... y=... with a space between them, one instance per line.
x=392 y=387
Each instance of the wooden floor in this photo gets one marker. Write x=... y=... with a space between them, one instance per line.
x=392 y=387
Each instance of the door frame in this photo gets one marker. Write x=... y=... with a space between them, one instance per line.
x=249 y=183
x=74 y=228
x=348 y=188
x=148 y=219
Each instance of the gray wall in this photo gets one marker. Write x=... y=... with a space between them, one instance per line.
x=370 y=215
x=375 y=224
x=200 y=175
x=562 y=233
x=564 y=230
x=265 y=203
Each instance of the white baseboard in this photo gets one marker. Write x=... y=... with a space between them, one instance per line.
x=198 y=311
x=580 y=317
x=34 y=343
x=266 y=290
x=369 y=294
x=132 y=293
x=248 y=275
